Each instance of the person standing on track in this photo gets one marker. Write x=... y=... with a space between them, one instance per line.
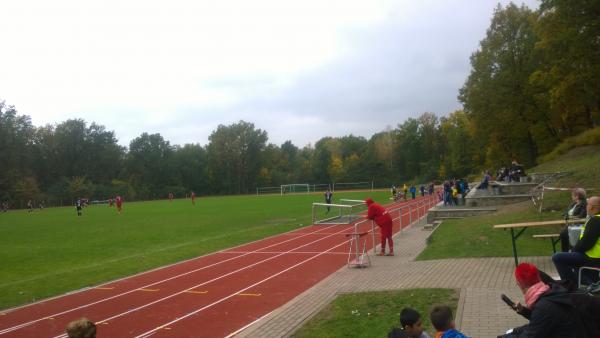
x=328 y=198
x=378 y=214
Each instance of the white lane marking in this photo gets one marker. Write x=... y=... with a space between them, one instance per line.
x=147 y=333
x=212 y=280
x=22 y=325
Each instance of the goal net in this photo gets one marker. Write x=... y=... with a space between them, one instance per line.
x=295 y=188
x=323 y=213
x=267 y=190
x=353 y=186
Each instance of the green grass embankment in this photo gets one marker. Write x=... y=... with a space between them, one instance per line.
x=475 y=236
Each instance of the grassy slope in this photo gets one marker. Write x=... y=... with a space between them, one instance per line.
x=377 y=312
x=474 y=237
x=53 y=251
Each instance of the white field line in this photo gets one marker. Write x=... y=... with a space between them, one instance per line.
x=22 y=325
x=210 y=281
x=146 y=334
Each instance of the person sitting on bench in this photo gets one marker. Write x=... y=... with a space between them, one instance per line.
x=587 y=250
x=577 y=209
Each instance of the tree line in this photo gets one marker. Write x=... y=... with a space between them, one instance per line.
x=534 y=81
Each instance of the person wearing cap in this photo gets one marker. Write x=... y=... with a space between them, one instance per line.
x=378 y=214
x=546 y=306
x=587 y=251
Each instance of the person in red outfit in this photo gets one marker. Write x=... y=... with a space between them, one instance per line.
x=170 y=197
x=193 y=198
x=378 y=214
x=119 y=203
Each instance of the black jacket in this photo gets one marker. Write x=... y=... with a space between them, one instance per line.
x=579 y=212
x=552 y=316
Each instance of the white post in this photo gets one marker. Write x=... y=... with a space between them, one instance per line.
x=373 y=237
x=400 y=221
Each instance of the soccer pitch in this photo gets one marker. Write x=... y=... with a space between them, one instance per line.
x=53 y=251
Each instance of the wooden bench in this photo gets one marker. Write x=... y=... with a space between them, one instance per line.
x=554 y=239
x=524 y=226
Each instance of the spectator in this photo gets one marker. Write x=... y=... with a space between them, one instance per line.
x=394 y=191
x=422 y=188
x=381 y=217
x=413 y=191
x=441 y=318
x=397 y=333
x=516 y=172
x=577 y=209
x=485 y=182
x=587 y=251
x=447 y=193
x=410 y=321
x=405 y=191
x=454 y=193
x=431 y=188
x=546 y=307
x=81 y=328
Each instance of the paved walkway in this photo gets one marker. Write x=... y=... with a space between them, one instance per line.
x=480 y=312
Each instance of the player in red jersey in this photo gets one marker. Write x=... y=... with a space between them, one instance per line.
x=193 y=198
x=119 y=203
x=378 y=214
x=170 y=197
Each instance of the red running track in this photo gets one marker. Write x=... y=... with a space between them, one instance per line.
x=209 y=296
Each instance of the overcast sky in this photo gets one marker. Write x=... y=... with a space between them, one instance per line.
x=300 y=70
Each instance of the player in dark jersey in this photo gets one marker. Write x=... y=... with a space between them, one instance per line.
x=328 y=198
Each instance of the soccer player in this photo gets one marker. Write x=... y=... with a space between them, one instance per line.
x=378 y=214
x=119 y=203
x=78 y=205
x=29 y=206
x=193 y=198
x=328 y=198
x=170 y=197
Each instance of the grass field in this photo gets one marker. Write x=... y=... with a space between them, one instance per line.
x=475 y=237
x=374 y=314
x=54 y=251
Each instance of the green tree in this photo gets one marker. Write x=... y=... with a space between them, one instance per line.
x=234 y=157
x=497 y=95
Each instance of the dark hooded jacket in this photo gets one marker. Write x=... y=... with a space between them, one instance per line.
x=552 y=316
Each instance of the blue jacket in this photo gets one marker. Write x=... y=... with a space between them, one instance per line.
x=452 y=333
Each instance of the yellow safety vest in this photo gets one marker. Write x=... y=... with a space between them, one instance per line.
x=594 y=252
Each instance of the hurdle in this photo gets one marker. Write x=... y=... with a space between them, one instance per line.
x=356 y=257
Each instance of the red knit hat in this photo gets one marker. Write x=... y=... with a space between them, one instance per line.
x=369 y=201
x=527 y=275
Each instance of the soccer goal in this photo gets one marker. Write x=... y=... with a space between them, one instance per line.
x=267 y=190
x=295 y=188
x=323 y=213
x=353 y=186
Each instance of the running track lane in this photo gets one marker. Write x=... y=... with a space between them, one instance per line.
x=210 y=296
